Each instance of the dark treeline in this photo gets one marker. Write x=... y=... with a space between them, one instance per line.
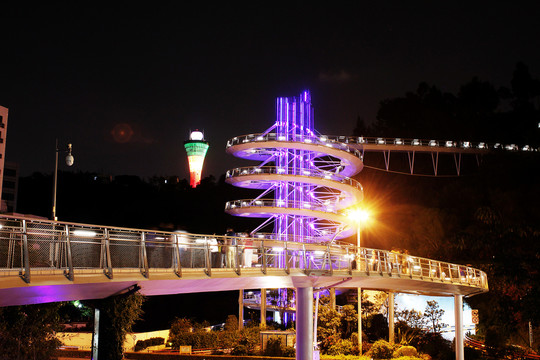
x=165 y=203
x=489 y=220
x=490 y=217
x=478 y=112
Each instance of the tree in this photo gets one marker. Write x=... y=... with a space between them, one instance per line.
x=477 y=102
x=328 y=325
x=117 y=316
x=249 y=339
x=361 y=128
x=479 y=112
x=426 y=113
x=349 y=321
x=231 y=324
x=181 y=325
x=410 y=325
x=412 y=318
x=433 y=316
x=27 y=332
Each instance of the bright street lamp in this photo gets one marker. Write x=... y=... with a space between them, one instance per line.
x=359 y=216
x=69 y=162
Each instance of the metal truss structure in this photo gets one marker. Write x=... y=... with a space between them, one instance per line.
x=434 y=148
x=305 y=178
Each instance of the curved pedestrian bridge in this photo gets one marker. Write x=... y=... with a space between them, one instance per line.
x=44 y=261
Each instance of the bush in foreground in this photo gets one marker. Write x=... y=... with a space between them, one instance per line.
x=406 y=351
x=143 y=344
x=381 y=349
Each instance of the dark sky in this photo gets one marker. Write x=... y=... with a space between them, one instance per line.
x=157 y=70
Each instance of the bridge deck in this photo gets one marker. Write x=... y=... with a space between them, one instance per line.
x=43 y=261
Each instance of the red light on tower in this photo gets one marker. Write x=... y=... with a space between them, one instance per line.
x=196 y=149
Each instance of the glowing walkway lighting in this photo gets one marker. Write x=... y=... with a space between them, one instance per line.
x=196 y=149
x=85 y=233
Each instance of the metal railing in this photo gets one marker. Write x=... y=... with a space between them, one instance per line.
x=28 y=245
x=320 y=174
x=434 y=143
x=273 y=203
x=317 y=140
x=341 y=141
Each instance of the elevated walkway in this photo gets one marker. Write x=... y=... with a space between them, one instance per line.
x=44 y=261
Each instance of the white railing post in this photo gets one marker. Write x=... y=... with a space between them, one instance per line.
x=69 y=272
x=176 y=257
x=143 y=260
x=25 y=264
x=107 y=266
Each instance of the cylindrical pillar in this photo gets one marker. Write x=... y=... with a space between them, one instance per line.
x=391 y=305
x=304 y=323
x=458 y=314
x=360 y=320
x=241 y=309
x=263 y=308
x=358 y=252
x=95 y=335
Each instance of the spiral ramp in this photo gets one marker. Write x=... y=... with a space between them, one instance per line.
x=305 y=178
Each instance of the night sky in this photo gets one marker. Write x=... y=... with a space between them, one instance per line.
x=126 y=84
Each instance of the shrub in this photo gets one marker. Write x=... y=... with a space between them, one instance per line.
x=227 y=339
x=366 y=347
x=143 y=344
x=248 y=339
x=344 y=347
x=199 y=340
x=435 y=345
x=381 y=349
x=289 y=351
x=345 y=357
x=241 y=350
x=406 y=351
x=273 y=347
x=376 y=327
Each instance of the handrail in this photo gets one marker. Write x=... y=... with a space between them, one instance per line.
x=264 y=170
x=362 y=140
x=87 y=246
x=302 y=205
x=316 y=140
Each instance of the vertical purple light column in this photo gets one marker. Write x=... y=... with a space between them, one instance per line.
x=294 y=122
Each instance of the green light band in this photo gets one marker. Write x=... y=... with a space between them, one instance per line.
x=196 y=148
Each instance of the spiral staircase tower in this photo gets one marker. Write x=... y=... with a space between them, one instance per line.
x=305 y=177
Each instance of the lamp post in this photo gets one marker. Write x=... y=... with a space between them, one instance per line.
x=69 y=162
x=359 y=216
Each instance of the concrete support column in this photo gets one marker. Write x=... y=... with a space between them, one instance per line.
x=95 y=335
x=263 y=308
x=360 y=320
x=458 y=314
x=391 y=305
x=304 y=323
x=241 y=309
